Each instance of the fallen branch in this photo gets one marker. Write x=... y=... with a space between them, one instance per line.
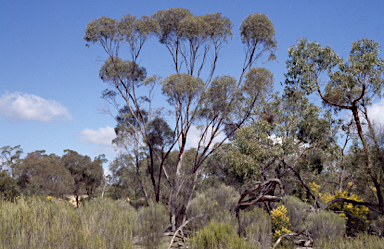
x=286 y=235
x=181 y=227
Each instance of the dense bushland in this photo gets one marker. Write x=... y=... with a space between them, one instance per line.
x=269 y=169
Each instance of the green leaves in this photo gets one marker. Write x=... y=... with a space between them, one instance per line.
x=119 y=72
x=168 y=23
x=359 y=77
x=257 y=28
x=104 y=28
x=181 y=88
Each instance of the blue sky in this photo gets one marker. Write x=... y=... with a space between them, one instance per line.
x=49 y=85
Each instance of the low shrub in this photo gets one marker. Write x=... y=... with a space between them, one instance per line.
x=280 y=222
x=325 y=225
x=297 y=212
x=39 y=223
x=151 y=225
x=215 y=203
x=258 y=228
x=359 y=242
x=219 y=236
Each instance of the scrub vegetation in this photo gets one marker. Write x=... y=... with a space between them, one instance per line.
x=269 y=170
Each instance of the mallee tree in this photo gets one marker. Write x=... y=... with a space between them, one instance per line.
x=196 y=95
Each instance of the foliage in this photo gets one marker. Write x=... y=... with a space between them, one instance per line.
x=360 y=241
x=8 y=187
x=9 y=157
x=152 y=223
x=218 y=236
x=297 y=212
x=42 y=174
x=193 y=42
x=350 y=85
x=38 y=223
x=258 y=227
x=214 y=203
x=326 y=225
x=280 y=221
x=87 y=174
x=357 y=210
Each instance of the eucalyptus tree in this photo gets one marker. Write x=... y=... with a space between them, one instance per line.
x=198 y=97
x=40 y=173
x=349 y=85
x=9 y=156
x=87 y=174
x=289 y=138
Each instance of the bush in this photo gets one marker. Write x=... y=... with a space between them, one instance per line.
x=215 y=203
x=359 y=242
x=219 y=236
x=258 y=228
x=39 y=223
x=297 y=212
x=280 y=222
x=152 y=223
x=325 y=225
x=378 y=226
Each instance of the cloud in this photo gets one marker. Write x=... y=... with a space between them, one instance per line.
x=24 y=106
x=195 y=134
x=102 y=136
x=375 y=112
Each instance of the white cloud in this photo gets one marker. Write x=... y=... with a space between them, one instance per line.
x=194 y=137
x=376 y=112
x=102 y=136
x=24 y=106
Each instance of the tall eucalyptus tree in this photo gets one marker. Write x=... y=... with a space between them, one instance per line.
x=349 y=85
x=198 y=97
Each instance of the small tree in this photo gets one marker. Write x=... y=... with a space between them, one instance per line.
x=87 y=174
x=351 y=85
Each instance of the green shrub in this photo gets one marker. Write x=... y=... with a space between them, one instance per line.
x=378 y=226
x=297 y=212
x=359 y=242
x=325 y=225
x=41 y=223
x=219 y=236
x=152 y=223
x=258 y=228
x=280 y=222
x=215 y=203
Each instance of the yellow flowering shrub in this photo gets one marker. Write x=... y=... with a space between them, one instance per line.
x=357 y=210
x=280 y=221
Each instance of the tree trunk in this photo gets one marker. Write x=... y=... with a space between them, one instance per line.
x=368 y=162
x=175 y=189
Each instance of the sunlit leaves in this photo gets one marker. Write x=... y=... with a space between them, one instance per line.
x=217 y=97
x=258 y=28
x=258 y=34
x=102 y=28
x=181 y=88
x=168 y=21
x=119 y=72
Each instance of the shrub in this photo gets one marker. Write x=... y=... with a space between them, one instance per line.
x=378 y=226
x=297 y=212
x=359 y=242
x=38 y=223
x=215 y=203
x=280 y=221
x=152 y=223
x=325 y=225
x=219 y=236
x=258 y=228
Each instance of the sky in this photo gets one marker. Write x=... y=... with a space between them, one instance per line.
x=49 y=85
